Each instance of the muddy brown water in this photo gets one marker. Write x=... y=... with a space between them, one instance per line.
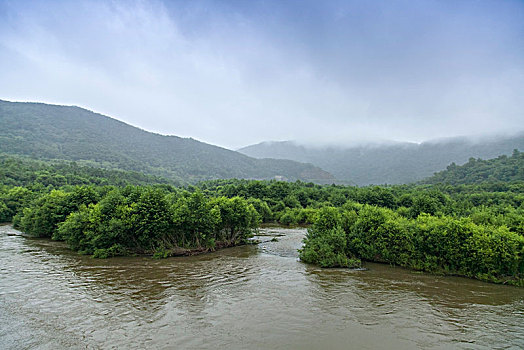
x=249 y=297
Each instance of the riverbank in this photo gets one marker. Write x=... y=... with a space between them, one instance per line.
x=434 y=244
x=160 y=253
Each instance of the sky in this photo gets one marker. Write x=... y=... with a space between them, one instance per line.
x=235 y=73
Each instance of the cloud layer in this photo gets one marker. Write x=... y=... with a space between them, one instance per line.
x=235 y=73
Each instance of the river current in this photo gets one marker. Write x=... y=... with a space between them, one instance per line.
x=248 y=297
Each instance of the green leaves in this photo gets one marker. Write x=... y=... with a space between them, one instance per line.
x=327 y=249
x=475 y=171
x=437 y=244
x=141 y=220
x=237 y=218
x=326 y=242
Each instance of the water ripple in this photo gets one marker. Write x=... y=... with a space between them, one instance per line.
x=254 y=297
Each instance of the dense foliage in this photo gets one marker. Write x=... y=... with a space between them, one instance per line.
x=24 y=180
x=115 y=221
x=20 y=171
x=441 y=244
x=476 y=171
x=97 y=212
x=389 y=163
x=74 y=134
x=298 y=202
x=471 y=230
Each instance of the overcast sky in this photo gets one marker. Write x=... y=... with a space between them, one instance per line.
x=234 y=73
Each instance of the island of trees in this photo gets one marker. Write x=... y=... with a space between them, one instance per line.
x=451 y=224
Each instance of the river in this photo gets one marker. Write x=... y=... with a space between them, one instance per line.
x=248 y=297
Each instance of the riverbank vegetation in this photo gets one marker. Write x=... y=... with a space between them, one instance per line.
x=145 y=220
x=474 y=230
x=468 y=230
x=103 y=213
x=437 y=244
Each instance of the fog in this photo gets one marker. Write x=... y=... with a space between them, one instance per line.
x=234 y=73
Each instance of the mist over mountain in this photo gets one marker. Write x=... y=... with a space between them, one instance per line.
x=51 y=132
x=390 y=162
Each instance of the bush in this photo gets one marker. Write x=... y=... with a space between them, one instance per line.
x=437 y=244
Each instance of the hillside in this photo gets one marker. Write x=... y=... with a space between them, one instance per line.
x=22 y=171
x=392 y=163
x=476 y=171
x=52 y=132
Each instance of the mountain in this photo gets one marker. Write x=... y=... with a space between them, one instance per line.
x=51 y=132
x=391 y=163
x=476 y=171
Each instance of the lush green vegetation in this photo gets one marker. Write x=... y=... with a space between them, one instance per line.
x=439 y=244
x=469 y=230
x=50 y=132
x=474 y=230
x=21 y=171
x=476 y=171
x=118 y=221
x=298 y=202
x=24 y=180
x=389 y=163
x=99 y=212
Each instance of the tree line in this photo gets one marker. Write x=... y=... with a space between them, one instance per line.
x=474 y=230
x=342 y=237
x=111 y=221
x=476 y=171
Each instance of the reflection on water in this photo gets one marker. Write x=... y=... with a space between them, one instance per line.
x=244 y=297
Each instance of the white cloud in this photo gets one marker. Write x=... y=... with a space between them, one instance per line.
x=238 y=76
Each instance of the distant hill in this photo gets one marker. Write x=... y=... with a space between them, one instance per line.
x=52 y=132
x=476 y=171
x=392 y=163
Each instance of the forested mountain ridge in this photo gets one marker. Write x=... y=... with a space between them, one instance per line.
x=393 y=163
x=23 y=171
x=52 y=132
x=476 y=171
